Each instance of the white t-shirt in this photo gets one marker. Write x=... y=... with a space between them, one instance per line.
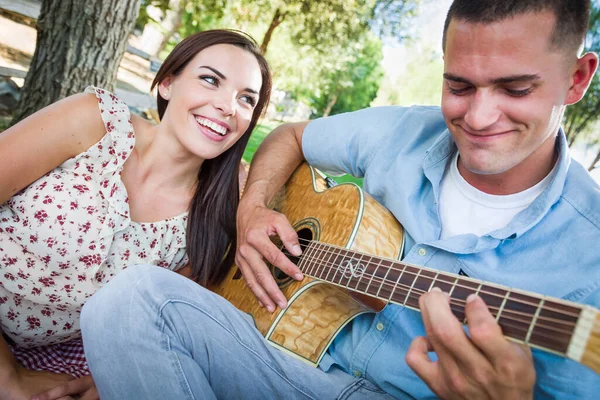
x=465 y=209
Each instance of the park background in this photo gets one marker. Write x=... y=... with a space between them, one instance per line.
x=328 y=57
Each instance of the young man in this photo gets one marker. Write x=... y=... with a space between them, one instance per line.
x=484 y=187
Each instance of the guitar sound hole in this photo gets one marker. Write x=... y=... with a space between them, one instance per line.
x=305 y=236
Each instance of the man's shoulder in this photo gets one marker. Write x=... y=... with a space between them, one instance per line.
x=583 y=193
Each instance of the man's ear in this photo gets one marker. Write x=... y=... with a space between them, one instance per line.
x=581 y=77
x=164 y=88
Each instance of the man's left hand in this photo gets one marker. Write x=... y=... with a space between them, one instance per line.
x=484 y=366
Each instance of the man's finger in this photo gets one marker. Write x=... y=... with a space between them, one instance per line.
x=254 y=286
x=446 y=333
x=418 y=360
x=273 y=254
x=483 y=328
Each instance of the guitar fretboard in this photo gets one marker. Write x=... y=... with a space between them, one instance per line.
x=525 y=317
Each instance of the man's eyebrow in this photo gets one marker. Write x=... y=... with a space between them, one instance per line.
x=220 y=75
x=503 y=80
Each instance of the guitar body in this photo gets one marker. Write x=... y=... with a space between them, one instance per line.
x=344 y=216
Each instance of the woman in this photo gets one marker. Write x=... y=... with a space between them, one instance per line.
x=84 y=194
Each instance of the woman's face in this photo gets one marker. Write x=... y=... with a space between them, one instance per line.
x=211 y=102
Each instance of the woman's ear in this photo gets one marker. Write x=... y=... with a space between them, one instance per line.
x=581 y=77
x=164 y=88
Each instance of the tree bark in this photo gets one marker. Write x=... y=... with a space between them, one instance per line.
x=79 y=43
x=593 y=164
x=275 y=22
x=330 y=105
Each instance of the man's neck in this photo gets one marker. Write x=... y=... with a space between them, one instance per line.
x=519 y=178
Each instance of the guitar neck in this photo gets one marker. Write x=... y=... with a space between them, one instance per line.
x=549 y=324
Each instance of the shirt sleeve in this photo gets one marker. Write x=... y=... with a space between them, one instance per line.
x=346 y=143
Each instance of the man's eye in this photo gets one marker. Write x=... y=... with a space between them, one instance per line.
x=519 y=93
x=459 y=91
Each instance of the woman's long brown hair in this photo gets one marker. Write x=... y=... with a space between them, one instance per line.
x=211 y=230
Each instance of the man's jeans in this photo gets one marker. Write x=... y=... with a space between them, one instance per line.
x=153 y=334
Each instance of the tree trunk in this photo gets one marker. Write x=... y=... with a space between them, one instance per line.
x=172 y=23
x=593 y=164
x=330 y=105
x=275 y=22
x=154 y=38
x=79 y=43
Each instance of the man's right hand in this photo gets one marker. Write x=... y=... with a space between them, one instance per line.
x=256 y=224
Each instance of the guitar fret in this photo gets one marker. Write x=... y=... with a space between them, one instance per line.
x=373 y=275
x=476 y=293
x=433 y=281
x=533 y=321
x=411 y=286
x=502 y=305
x=338 y=269
x=383 y=281
x=453 y=287
x=303 y=258
x=326 y=263
x=363 y=272
x=306 y=259
x=317 y=258
x=397 y=280
x=335 y=253
x=359 y=270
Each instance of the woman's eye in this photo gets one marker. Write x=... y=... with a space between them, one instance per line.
x=249 y=99
x=213 y=80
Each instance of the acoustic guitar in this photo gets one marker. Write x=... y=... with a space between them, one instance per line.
x=351 y=246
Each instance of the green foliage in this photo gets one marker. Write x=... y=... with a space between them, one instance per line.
x=347 y=79
x=581 y=118
x=143 y=17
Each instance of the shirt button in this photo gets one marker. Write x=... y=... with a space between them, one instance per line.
x=422 y=251
x=357 y=374
x=380 y=326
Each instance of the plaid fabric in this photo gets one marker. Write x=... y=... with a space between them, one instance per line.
x=64 y=358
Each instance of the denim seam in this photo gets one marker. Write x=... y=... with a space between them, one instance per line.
x=257 y=355
x=175 y=359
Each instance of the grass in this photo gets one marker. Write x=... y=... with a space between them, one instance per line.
x=259 y=134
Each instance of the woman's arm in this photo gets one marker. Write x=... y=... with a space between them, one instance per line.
x=46 y=139
x=17 y=383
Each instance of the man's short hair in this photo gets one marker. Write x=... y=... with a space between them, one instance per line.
x=572 y=16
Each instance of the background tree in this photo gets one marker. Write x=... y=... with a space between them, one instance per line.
x=79 y=43
x=581 y=119
x=349 y=80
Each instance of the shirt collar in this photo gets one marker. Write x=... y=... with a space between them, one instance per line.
x=440 y=154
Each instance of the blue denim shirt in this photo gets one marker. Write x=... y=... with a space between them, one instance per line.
x=550 y=248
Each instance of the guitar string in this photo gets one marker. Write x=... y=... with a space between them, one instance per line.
x=442 y=273
x=457 y=302
x=413 y=294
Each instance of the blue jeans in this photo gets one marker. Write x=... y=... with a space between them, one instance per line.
x=153 y=334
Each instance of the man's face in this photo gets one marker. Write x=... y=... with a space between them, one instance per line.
x=504 y=93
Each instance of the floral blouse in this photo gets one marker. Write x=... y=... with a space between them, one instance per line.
x=68 y=233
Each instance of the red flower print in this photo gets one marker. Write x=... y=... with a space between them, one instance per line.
x=41 y=216
x=46 y=281
x=34 y=322
x=81 y=188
